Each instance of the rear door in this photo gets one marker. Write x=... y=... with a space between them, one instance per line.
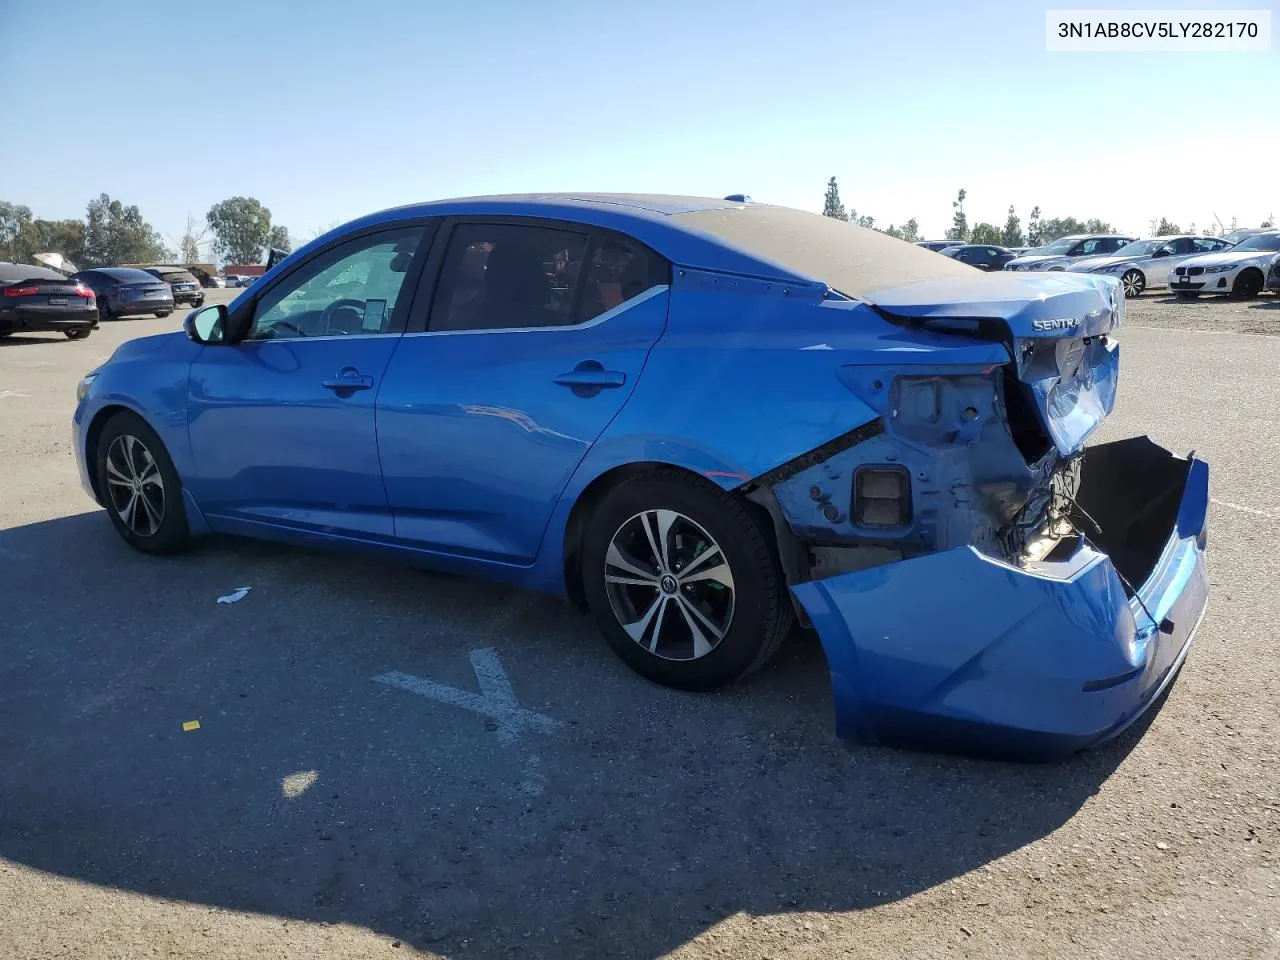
x=536 y=336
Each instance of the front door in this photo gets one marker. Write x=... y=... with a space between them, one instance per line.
x=535 y=339
x=282 y=423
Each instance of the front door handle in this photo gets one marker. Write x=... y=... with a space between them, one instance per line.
x=590 y=377
x=348 y=378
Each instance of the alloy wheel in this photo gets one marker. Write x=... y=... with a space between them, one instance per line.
x=669 y=584
x=1134 y=283
x=134 y=485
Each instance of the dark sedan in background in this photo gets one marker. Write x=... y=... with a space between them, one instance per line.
x=984 y=256
x=127 y=292
x=186 y=288
x=39 y=299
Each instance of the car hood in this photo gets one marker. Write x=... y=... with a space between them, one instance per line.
x=1038 y=259
x=1229 y=257
x=1093 y=263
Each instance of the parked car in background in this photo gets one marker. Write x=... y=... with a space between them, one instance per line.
x=1061 y=252
x=939 y=245
x=984 y=256
x=38 y=299
x=186 y=288
x=231 y=280
x=697 y=419
x=209 y=281
x=1235 y=236
x=127 y=292
x=1239 y=271
x=1146 y=264
x=1273 y=275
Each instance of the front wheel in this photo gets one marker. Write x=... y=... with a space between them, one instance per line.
x=79 y=333
x=1247 y=286
x=683 y=581
x=140 y=486
x=1134 y=283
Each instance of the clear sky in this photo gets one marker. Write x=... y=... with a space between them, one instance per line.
x=328 y=110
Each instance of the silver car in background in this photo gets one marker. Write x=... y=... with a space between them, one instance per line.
x=1062 y=252
x=1145 y=264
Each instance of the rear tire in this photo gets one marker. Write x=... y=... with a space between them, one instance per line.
x=164 y=313
x=79 y=333
x=104 y=311
x=140 y=487
x=712 y=610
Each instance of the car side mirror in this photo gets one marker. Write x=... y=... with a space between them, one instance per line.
x=207 y=325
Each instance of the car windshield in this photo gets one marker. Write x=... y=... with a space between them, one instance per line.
x=1060 y=246
x=1259 y=241
x=1139 y=248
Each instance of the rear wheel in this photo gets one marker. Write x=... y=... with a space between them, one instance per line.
x=683 y=582
x=79 y=333
x=164 y=313
x=1248 y=285
x=1134 y=283
x=104 y=311
x=140 y=486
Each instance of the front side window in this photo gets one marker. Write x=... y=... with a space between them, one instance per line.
x=348 y=290
x=499 y=276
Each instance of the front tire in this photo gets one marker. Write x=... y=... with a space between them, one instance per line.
x=1247 y=285
x=683 y=581
x=1133 y=283
x=140 y=486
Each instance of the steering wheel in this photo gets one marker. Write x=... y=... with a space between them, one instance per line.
x=288 y=325
x=326 y=318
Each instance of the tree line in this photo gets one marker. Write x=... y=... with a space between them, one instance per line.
x=1039 y=231
x=239 y=230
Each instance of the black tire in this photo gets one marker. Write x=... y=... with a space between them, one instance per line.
x=761 y=615
x=1133 y=283
x=6 y=333
x=171 y=534
x=164 y=313
x=78 y=333
x=1248 y=285
x=104 y=310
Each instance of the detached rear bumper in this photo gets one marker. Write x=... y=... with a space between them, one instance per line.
x=957 y=652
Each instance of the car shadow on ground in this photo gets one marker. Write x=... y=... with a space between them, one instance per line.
x=311 y=792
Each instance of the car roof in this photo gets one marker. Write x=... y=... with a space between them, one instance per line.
x=120 y=273
x=756 y=239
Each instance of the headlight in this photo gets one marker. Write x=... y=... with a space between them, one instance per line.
x=82 y=388
x=1110 y=268
x=1220 y=268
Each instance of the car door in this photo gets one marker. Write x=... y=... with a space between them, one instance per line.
x=282 y=422
x=535 y=338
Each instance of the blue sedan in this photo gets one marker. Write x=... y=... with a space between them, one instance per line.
x=700 y=420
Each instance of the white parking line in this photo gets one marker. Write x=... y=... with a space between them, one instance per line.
x=496 y=700
x=1249 y=510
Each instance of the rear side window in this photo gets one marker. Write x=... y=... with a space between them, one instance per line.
x=499 y=276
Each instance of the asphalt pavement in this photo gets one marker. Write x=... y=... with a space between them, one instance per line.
x=389 y=761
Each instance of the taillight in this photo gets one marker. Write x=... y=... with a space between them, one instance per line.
x=83 y=291
x=21 y=291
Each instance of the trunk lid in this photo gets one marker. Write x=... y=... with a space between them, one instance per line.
x=1055 y=327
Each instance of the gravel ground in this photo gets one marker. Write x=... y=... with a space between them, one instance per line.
x=318 y=813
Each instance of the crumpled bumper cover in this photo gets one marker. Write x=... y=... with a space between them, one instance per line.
x=957 y=652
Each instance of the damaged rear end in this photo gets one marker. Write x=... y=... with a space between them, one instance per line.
x=981 y=581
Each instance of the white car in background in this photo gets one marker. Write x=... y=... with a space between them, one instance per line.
x=1240 y=271
x=1146 y=264
x=1067 y=250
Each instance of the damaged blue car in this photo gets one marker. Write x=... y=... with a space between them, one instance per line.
x=702 y=421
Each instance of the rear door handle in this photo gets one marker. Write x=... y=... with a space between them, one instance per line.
x=348 y=378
